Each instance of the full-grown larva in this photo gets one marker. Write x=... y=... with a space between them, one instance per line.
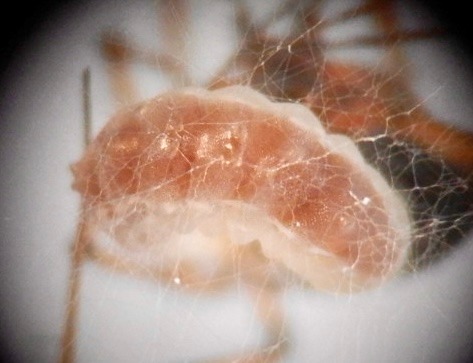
x=176 y=181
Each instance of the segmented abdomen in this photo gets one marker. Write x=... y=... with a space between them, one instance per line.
x=206 y=146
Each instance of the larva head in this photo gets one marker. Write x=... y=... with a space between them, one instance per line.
x=316 y=207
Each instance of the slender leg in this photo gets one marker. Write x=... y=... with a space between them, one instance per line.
x=264 y=291
x=173 y=27
x=69 y=337
x=269 y=310
x=267 y=306
x=118 y=54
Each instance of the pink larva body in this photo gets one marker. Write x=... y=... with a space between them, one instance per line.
x=183 y=177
